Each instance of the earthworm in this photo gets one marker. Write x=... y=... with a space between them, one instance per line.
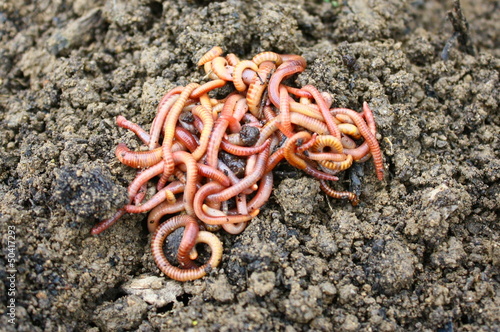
x=233 y=229
x=161 y=210
x=138 y=159
x=289 y=149
x=327 y=117
x=306 y=110
x=368 y=115
x=241 y=150
x=187 y=243
x=339 y=194
x=337 y=165
x=246 y=182
x=107 y=223
x=162 y=195
x=214 y=174
x=210 y=55
x=267 y=57
x=200 y=207
x=263 y=193
x=240 y=109
x=347 y=142
x=232 y=177
x=185 y=137
x=328 y=141
x=219 y=129
x=286 y=69
x=205 y=88
x=238 y=73
x=176 y=273
x=294 y=57
x=135 y=128
x=208 y=123
x=169 y=131
x=298 y=92
x=285 y=112
x=368 y=136
x=232 y=59
x=192 y=178
x=258 y=86
x=159 y=120
x=143 y=177
x=220 y=68
x=344 y=118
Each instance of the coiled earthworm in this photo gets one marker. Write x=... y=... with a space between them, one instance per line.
x=339 y=194
x=187 y=243
x=176 y=273
x=337 y=165
x=138 y=159
x=210 y=55
x=238 y=73
x=332 y=143
x=289 y=149
x=134 y=127
x=221 y=69
x=161 y=210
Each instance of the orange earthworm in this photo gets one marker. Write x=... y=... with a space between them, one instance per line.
x=349 y=129
x=328 y=141
x=161 y=210
x=289 y=149
x=159 y=121
x=208 y=123
x=258 y=86
x=210 y=55
x=337 y=165
x=238 y=73
x=176 y=273
x=286 y=69
x=241 y=150
x=232 y=59
x=267 y=57
x=207 y=87
x=221 y=69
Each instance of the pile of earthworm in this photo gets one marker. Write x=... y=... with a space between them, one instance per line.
x=211 y=159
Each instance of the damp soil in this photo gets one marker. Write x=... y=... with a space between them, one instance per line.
x=421 y=252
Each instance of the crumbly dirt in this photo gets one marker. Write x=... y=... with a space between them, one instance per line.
x=420 y=253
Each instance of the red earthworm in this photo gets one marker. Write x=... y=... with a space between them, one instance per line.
x=159 y=120
x=214 y=217
x=327 y=117
x=258 y=86
x=241 y=150
x=274 y=159
x=176 y=273
x=368 y=136
x=214 y=174
x=267 y=57
x=192 y=178
x=309 y=144
x=200 y=207
x=186 y=138
x=210 y=55
x=107 y=223
x=294 y=57
x=232 y=177
x=219 y=129
x=233 y=124
x=262 y=195
x=161 y=196
x=205 y=88
x=221 y=69
x=232 y=59
x=286 y=69
x=285 y=112
x=143 y=177
x=166 y=97
x=233 y=229
x=169 y=131
x=349 y=129
x=208 y=123
x=328 y=98
x=134 y=127
x=240 y=109
x=298 y=92
x=161 y=210
x=318 y=174
x=250 y=166
x=268 y=113
x=370 y=120
x=360 y=152
x=187 y=243
x=337 y=165
x=238 y=73
x=339 y=194
x=138 y=159
x=247 y=181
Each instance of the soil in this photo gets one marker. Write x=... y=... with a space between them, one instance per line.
x=420 y=253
